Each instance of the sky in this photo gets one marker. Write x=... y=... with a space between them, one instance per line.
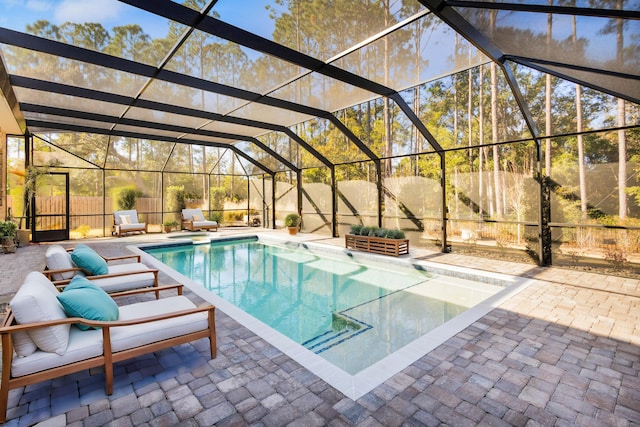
x=16 y=14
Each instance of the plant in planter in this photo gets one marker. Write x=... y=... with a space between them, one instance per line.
x=169 y=225
x=8 y=233
x=377 y=240
x=387 y=233
x=292 y=221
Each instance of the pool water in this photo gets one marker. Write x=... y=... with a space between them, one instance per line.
x=351 y=313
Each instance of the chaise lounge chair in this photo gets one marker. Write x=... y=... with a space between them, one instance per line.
x=47 y=334
x=127 y=222
x=193 y=219
x=64 y=264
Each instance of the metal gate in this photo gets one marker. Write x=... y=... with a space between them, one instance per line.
x=50 y=221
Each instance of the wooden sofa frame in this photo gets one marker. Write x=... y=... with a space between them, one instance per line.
x=108 y=357
x=187 y=224
x=119 y=231
x=50 y=273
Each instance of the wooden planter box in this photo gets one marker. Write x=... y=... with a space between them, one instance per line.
x=377 y=245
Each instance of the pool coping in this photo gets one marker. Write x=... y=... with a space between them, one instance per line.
x=352 y=386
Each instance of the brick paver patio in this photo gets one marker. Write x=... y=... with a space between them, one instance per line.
x=564 y=351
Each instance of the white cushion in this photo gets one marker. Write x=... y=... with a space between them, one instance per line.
x=82 y=345
x=191 y=213
x=36 y=301
x=127 y=267
x=132 y=215
x=132 y=226
x=125 y=219
x=57 y=258
x=23 y=344
x=204 y=224
x=123 y=283
x=127 y=337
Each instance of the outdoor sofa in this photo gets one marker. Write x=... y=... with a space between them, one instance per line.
x=62 y=265
x=127 y=222
x=47 y=334
x=193 y=219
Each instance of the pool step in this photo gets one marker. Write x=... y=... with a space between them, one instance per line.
x=343 y=328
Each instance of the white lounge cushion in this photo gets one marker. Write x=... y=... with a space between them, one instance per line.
x=197 y=224
x=123 y=283
x=138 y=226
x=188 y=214
x=126 y=217
x=36 y=301
x=127 y=337
x=82 y=345
x=57 y=258
x=23 y=344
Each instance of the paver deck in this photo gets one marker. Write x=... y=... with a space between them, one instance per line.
x=564 y=351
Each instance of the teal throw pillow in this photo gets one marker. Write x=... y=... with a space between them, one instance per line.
x=88 y=259
x=81 y=298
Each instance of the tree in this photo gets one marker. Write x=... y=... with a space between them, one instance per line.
x=579 y=127
x=617 y=26
x=497 y=183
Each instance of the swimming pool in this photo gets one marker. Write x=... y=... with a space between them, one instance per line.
x=354 y=312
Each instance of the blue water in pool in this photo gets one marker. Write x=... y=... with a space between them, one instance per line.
x=349 y=313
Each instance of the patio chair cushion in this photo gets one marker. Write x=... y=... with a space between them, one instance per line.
x=191 y=214
x=82 y=345
x=81 y=298
x=36 y=301
x=58 y=258
x=204 y=223
x=127 y=218
x=23 y=344
x=123 y=283
x=89 y=260
x=136 y=335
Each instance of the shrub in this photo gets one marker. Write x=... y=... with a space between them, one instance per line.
x=8 y=229
x=218 y=196
x=292 y=220
x=232 y=216
x=395 y=234
x=360 y=230
x=216 y=216
x=355 y=229
x=127 y=198
x=381 y=232
x=83 y=230
x=190 y=195
x=174 y=198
